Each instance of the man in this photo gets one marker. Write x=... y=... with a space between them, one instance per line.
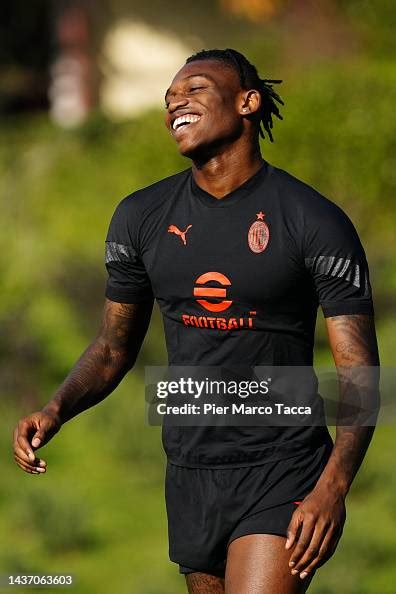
x=238 y=255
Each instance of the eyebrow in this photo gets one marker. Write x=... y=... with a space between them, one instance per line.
x=202 y=74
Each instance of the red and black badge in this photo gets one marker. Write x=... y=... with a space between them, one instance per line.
x=258 y=234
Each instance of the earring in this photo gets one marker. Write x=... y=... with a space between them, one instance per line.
x=244 y=109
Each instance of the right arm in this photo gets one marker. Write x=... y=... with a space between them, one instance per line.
x=95 y=375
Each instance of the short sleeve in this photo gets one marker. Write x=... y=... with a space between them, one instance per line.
x=127 y=281
x=335 y=258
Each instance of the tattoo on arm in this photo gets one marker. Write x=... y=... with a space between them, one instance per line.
x=353 y=340
x=355 y=351
x=105 y=362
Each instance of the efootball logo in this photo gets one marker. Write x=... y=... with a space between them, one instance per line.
x=200 y=290
x=206 y=292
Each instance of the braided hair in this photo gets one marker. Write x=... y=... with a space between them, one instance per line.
x=249 y=79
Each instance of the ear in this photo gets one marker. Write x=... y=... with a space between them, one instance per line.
x=251 y=102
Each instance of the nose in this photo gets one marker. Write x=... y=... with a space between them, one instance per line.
x=176 y=101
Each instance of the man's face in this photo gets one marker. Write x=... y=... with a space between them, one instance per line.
x=203 y=107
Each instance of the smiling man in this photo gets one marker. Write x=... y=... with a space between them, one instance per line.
x=238 y=255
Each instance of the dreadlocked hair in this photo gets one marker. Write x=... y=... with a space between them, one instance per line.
x=249 y=79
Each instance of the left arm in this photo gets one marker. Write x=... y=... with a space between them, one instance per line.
x=320 y=518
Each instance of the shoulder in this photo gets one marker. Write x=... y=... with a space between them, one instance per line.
x=146 y=198
x=135 y=209
x=314 y=208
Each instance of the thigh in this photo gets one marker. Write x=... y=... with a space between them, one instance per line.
x=259 y=564
x=203 y=583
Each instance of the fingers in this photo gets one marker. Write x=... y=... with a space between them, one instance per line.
x=37 y=440
x=21 y=440
x=326 y=550
x=39 y=467
x=304 y=539
x=293 y=528
x=302 y=558
x=314 y=531
x=316 y=551
x=36 y=466
x=21 y=454
x=23 y=450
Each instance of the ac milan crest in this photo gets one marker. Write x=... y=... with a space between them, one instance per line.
x=258 y=234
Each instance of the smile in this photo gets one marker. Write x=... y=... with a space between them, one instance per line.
x=184 y=120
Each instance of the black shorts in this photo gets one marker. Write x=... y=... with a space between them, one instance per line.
x=208 y=508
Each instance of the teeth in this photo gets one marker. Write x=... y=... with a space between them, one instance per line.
x=189 y=118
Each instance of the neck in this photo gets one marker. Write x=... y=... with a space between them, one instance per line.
x=222 y=173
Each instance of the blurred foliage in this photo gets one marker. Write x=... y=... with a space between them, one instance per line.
x=99 y=511
x=374 y=22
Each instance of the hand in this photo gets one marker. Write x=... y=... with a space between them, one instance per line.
x=315 y=528
x=31 y=433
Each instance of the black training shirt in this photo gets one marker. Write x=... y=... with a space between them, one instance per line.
x=238 y=280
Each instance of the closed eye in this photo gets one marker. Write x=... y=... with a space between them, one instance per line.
x=190 y=90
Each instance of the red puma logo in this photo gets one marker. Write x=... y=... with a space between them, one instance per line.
x=174 y=229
